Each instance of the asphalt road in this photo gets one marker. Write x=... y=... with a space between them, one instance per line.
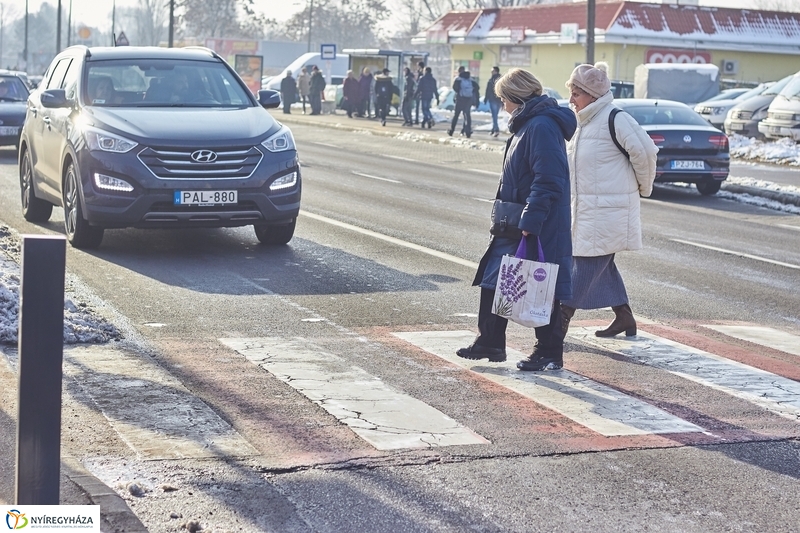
x=385 y=249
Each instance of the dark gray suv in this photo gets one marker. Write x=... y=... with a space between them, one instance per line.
x=151 y=137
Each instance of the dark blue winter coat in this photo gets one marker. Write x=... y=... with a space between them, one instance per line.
x=426 y=87
x=536 y=173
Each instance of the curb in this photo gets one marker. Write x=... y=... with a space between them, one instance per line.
x=114 y=511
x=782 y=197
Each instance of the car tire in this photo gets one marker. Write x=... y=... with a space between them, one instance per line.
x=79 y=233
x=275 y=234
x=33 y=209
x=708 y=187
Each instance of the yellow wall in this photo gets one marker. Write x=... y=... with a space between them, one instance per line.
x=553 y=63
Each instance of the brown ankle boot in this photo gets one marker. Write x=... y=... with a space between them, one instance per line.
x=567 y=313
x=623 y=321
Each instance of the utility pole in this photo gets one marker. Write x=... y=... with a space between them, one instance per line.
x=113 y=23
x=590 y=32
x=25 y=49
x=171 y=40
x=2 y=23
x=310 y=20
x=58 y=28
x=69 y=25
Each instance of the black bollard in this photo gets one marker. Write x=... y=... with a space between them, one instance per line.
x=41 y=352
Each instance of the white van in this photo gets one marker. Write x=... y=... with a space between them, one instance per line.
x=783 y=115
x=334 y=70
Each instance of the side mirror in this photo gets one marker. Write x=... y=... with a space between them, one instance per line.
x=54 y=98
x=269 y=99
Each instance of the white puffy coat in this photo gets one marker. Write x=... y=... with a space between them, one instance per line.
x=605 y=185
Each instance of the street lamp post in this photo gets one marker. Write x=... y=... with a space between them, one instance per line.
x=25 y=49
x=69 y=25
x=171 y=23
x=113 y=23
x=58 y=28
x=310 y=21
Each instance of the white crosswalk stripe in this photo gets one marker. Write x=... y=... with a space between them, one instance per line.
x=769 y=337
x=591 y=404
x=770 y=391
x=385 y=418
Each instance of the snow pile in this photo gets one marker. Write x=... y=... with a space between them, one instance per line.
x=81 y=323
x=783 y=151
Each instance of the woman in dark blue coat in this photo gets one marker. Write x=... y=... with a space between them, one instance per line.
x=536 y=174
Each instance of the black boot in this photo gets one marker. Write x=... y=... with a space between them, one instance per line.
x=567 y=313
x=623 y=321
x=542 y=359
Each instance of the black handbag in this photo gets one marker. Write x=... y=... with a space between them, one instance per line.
x=505 y=219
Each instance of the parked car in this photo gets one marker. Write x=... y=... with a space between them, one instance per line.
x=715 y=111
x=21 y=75
x=151 y=137
x=690 y=150
x=743 y=118
x=13 y=105
x=622 y=89
x=783 y=114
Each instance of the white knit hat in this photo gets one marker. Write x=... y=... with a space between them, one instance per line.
x=592 y=80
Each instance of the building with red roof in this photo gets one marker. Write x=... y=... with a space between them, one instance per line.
x=748 y=46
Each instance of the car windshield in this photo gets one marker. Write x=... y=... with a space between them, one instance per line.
x=792 y=89
x=665 y=114
x=162 y=83
x=755 y=91
x=778 y=86
x=728 y=94
x=12 y=89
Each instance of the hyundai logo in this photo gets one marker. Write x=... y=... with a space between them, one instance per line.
x=204 y=156
x=686 y=139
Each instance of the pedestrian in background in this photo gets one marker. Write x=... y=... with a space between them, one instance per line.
x=384 y=89
x=491 y=98
x=288 y=92
x=467 y=95
x=535 y=173
x=303 y=86
x=426 y=91
x=351 y=94
x=606 y=186
x=417 y=101
x=316 y=86
x=365 y=90
x=409 y=90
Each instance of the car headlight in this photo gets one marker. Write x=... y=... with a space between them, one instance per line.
x=107 y=142
x=280 y=141
x=284 y=182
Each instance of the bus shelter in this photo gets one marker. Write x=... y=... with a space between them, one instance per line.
x=378 y=59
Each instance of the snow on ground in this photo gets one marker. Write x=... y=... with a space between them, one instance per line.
x=782 y=152
x=81 y=322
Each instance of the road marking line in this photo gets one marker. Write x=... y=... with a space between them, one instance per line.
x=490 y=172
x=150 y=409
x=370 y=176
x=769 y=337
x=772 y=392
x=738 y=254
x=325 y=144
x=404 y=158
x=797 y=228
x=398 y=242
x=590 y=404
x=382 y=416
x=484 y=200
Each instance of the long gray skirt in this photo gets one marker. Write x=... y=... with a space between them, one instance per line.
x=596 y=283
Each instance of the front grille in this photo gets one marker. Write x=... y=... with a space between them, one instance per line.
x=742 y=115
x=177 y=163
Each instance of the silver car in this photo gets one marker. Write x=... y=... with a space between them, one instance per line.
x=743 y=118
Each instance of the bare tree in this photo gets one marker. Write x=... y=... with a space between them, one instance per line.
x=150 y=22
x=349 y=23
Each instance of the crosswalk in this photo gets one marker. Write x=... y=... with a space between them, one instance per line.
x=598 y=401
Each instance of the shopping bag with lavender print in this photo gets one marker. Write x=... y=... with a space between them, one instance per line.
x=525 y=289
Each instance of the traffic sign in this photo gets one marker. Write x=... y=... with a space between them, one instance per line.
x=327 y=51
x=122 y=40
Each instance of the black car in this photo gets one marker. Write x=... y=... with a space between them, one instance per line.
x=13 y=98
x=151 y=137
x=690 y=149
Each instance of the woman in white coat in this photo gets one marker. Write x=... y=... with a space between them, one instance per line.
x=606 y=186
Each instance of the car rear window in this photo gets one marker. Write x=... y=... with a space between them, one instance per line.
x=12 y=89
x=665 y=114
x=162 y=83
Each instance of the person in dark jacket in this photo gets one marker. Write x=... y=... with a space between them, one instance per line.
x=317 y=85
x=467 y=95
x=409 y=90
x=426 y=91
x=384 y=89
x=535 y=173
x=288 y=92
x=491 y=98
x=417 y=102
x=365 y=90
x=351 y=94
